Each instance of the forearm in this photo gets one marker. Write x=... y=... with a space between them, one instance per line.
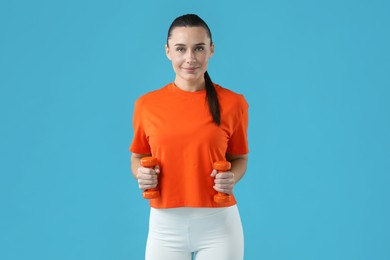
x=136 y=163
x=239 y=164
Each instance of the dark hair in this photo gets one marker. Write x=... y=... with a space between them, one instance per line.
x=192 y=20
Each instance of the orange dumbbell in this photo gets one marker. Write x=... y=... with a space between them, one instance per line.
x=222 y=166
x=150 y=162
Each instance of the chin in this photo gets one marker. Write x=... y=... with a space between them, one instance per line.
x=190 y=77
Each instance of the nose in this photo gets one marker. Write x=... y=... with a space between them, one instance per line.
x=190 y=56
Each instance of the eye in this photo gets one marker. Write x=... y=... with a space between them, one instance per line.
x=180 y=49
x=199 y=48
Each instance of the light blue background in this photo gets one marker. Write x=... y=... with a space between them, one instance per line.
x=316 y=76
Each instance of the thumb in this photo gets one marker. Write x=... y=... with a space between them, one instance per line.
x=157 y=169
x=214 y=173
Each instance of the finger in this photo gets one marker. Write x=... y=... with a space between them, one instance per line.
x=225 y=175
x=214 y=173
x=157 y=169
x=144 y=176
x=224 y=181
x=145 y=170
x=147 y=182
x=147 y=187
x=223 y=190
x=224 y=185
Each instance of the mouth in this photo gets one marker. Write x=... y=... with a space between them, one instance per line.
x=190 y=69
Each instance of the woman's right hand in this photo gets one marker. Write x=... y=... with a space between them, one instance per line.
x=147 y=177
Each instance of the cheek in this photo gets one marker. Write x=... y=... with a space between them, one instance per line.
x=176 y=60
x=203 y=58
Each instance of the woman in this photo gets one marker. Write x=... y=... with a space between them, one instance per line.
x=189 y=124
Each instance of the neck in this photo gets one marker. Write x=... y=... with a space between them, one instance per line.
x=191 y=86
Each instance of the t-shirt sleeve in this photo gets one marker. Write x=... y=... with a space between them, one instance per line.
x=238 y=142
x=140 y=142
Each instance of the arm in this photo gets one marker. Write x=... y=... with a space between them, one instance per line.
x=225 y=181
x=239 y=163
x=136 y=162
x=147 y=178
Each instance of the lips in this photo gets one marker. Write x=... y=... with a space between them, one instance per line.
x=190 y=69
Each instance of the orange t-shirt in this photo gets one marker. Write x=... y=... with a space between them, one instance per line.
x=176 y=127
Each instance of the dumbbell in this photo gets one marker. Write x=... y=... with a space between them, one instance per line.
x=150 y=162
x=222 y=166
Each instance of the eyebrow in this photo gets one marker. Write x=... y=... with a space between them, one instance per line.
x=198 y=44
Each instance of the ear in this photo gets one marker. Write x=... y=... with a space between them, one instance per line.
x=167 y=52
x=211 y=50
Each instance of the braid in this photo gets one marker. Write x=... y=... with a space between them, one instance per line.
x=212 y=99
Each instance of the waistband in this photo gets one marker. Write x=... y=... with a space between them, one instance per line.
x=191 y=213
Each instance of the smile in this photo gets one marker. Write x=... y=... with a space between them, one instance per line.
x=190 y=69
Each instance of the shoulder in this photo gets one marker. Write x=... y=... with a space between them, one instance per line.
x=152 y=96
x=230 y=97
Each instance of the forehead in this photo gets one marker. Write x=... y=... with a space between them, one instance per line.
x=189 y=35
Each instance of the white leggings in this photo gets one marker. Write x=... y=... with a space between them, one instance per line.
x=206 y=233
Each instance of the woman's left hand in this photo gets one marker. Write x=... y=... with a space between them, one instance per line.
x=224 y=181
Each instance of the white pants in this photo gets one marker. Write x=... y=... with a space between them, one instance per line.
x=206 y=233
